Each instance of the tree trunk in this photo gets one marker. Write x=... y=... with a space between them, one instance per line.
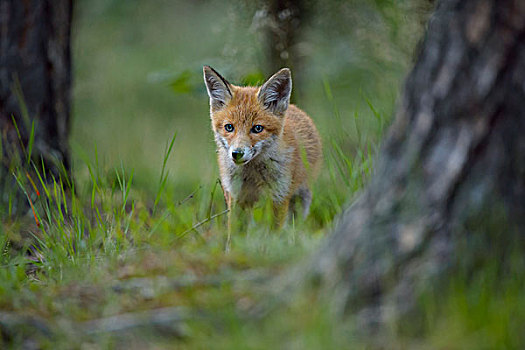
x=451 y=170
x=286 y=18
x=35 y=80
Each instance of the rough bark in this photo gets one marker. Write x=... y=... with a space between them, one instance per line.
x=452 y=163
x=35 y=80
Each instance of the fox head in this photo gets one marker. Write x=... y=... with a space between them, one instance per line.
x=247 y=120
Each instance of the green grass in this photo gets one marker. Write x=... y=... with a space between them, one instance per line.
x=104 y=248
x=87 y=241
x=144 y=225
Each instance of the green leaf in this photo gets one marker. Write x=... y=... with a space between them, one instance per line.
x=253 y=78
x=180 y=83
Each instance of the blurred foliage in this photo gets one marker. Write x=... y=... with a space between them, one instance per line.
x=130 y=57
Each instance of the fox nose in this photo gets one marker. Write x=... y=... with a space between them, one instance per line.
x=237 y=154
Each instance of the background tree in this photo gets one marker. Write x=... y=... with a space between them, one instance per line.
x=35 y=81
x=449 y=184
x=284 y=24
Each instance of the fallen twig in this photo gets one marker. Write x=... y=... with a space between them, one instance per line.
x=150 y=287
x=12 y=323
x=200 y=223
x=166 y=320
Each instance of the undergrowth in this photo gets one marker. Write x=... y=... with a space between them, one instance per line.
x=99 y=246
x=101 y=263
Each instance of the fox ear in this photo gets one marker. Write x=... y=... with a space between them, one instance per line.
x=274 y=95
x=218 y=88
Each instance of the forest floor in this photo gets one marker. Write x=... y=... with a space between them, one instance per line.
x=103 y=264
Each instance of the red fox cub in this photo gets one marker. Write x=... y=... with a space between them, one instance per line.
x=265 y=144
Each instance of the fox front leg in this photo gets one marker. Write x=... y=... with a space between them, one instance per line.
x=229 y=203
x=236 y=219
x=280 y=211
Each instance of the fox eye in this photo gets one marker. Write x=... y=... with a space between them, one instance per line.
x=257 y=129
x=228 y=127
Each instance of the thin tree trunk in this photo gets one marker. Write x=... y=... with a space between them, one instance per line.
x=35 y=80
x=452 y=168
x=283 y=32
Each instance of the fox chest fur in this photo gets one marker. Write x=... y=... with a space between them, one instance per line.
x=269 y=173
